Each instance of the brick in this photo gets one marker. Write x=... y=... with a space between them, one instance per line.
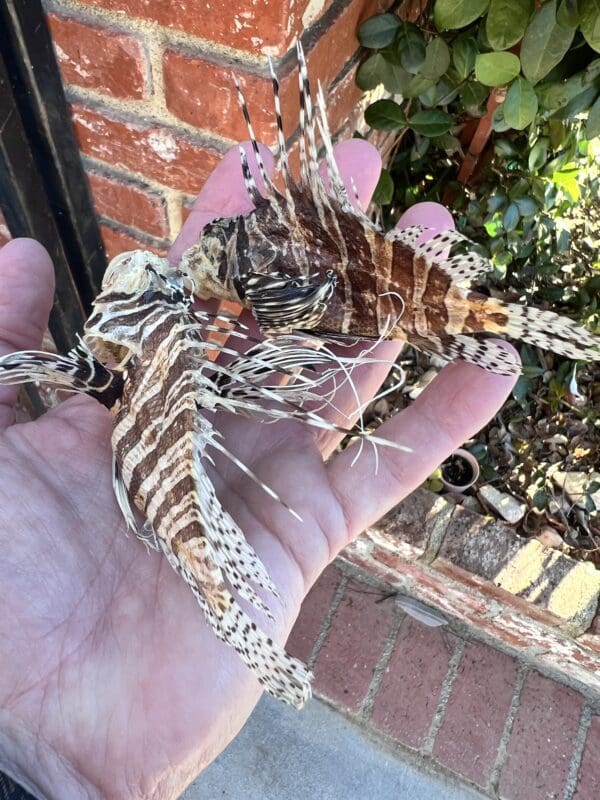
x=153 y=151
x=314 y=608
x=345 y=664
x=338 y=43
x=4 y=232
x=478 y=545
x=99 y=58
x=202 y=93
x=343 y=111
x=541 y=743
x=412 y=521
x=588 y=781
x=129 y=204
x=566 y=588
x=476 y=712
x=410 y=688
x=116 y=241
x=260 y=26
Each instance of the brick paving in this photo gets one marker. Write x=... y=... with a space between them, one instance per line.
x=466 y=705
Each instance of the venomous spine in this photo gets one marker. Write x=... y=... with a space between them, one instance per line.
x=307 y=260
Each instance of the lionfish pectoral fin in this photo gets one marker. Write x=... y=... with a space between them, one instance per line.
x=77 y=371
x=484 y=353
x=283 y=303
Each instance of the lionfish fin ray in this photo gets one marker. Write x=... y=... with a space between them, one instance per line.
x=280 y=674
x=484 y=353
x=217 y=445
x=550 y=331
x=77 y=371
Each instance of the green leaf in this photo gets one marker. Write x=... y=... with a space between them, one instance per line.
x=385 y=115
x=538 y=154
x=510 y=218
x=527 y=206
x=545 y=43
x=419 y=84
x=495 y=202
x=506 y=22
x=411 y=45
x=578 y=104
x=377 y=69
x=445 y=92
x=384 y=191
x=464 y=51
x=448 y=143
x=568 y=181
x=592 y=126
x=370 y=73
x=499 y=124
x=437 y=58
x=496 y=69
x=473 y=96
x=589 y=15
x=504 y=148
x=592 y=71
x=431 y=123
x=452 y=14
x=437 y=61
x=557 y=132
x=378 y=31
x=395 y=78
x=520 y=105
x=555 y=95
x=567 y=14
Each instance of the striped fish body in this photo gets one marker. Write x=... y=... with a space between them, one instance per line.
x=160 y=438
x=308 y=258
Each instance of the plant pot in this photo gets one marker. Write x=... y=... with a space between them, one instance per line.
x=460 y=471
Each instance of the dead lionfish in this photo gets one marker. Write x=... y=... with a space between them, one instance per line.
x=305 y=260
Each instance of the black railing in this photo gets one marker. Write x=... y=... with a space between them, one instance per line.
x=44 y=192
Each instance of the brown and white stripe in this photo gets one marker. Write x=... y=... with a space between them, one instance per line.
x=386 y=284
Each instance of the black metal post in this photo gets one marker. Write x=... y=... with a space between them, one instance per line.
x=43 y=188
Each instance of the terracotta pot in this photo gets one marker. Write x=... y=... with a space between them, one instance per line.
x=460 y=471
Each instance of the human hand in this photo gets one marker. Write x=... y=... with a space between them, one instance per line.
x=111 y=683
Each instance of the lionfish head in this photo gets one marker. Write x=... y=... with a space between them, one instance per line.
x=288 y=260
x=138 y=272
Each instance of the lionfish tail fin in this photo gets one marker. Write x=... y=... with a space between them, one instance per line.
x=551 y=331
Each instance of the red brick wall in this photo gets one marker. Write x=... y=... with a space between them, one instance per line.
x=153 y=102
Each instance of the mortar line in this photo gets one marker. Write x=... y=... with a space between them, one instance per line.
x=252 y=60
x=502 y=752
x=137 y=233
x=577 y=755
x=447 y=685
x=327 y=620
x=381 y=666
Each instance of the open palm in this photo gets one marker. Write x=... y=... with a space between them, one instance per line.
x=111 y=684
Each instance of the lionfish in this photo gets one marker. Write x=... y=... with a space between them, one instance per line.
x=312 y=267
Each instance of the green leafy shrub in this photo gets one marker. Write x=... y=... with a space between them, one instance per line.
x=539 y=65
x=492 y=107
